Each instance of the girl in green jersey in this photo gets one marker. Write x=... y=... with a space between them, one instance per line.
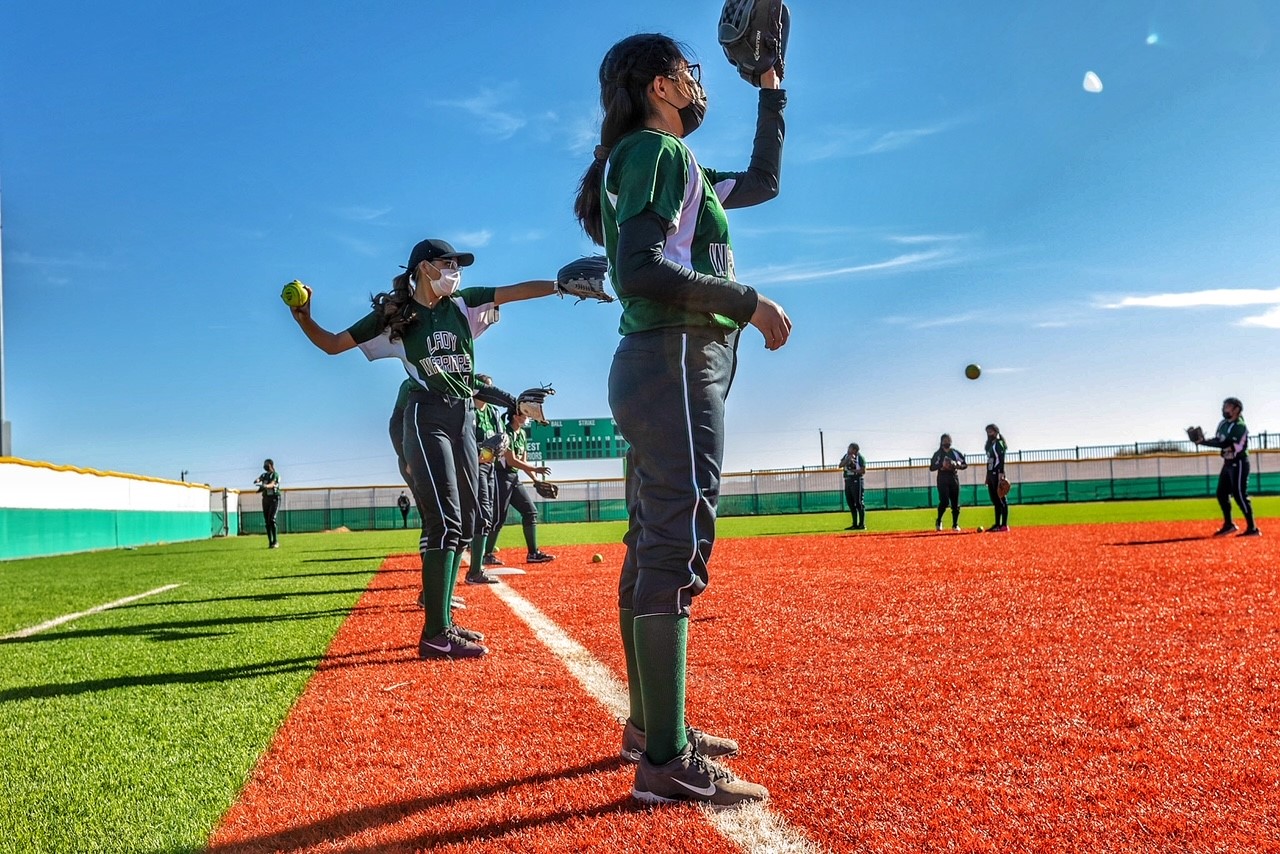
x=661 y=218
x=430 y=324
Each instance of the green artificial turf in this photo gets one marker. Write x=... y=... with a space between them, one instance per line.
x=134 y=728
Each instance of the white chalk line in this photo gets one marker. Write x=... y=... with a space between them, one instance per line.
x=66 y=618
x=754 y=828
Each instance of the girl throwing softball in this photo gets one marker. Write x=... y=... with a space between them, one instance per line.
x=661 y=218
x=430 y=325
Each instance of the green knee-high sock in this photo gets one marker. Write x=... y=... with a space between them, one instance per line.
x=530 y=535
x=455 y=562
x=477 y=555
x=626 y=623
x=662 y=642
x=491 y=543
x=435 y=593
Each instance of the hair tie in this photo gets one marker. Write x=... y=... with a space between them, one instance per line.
x=602 y=152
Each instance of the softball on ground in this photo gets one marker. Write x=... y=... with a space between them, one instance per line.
x=972 y=372
x=979 y=529
x=597 y=558
x=295 y=294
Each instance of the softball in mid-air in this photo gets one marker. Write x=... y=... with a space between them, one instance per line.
x=972 y=372
x=295 y=294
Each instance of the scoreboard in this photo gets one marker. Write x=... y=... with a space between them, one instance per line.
x=576 y=439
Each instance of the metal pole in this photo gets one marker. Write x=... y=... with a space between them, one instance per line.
x=822 y=449
x=6 y=441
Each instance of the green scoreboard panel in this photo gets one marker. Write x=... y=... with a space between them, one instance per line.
x=576 y=439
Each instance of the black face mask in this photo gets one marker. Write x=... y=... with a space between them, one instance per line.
x=695 y=111
x=1226 y=415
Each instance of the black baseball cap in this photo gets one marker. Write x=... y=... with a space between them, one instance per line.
x=431 y=249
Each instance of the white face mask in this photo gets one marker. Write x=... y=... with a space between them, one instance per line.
x=447 y=284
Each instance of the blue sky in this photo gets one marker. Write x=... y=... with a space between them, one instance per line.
x=950 y=194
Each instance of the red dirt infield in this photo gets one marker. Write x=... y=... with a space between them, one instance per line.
x=1090 y=688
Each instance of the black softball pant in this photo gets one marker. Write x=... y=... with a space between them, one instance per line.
x=512 y=493
x=1001 y=505
x=853 y=493
x=270 y=504
x=949 y=496
x=395 y=429
x=1233 y=483
x=443 y=461
x=667 y=391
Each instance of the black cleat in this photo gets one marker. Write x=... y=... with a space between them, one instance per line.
x=1227 y=529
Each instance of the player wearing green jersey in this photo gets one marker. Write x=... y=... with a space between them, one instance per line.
x=512 y=493
x=661 y=217
x=269 y=485
x=948 y=462
x=1232 y=437
x=854 y=465
x=430 y=324
x=996 y=450
x=487 y=426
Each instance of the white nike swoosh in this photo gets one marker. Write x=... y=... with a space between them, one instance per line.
x=446 y=648
x=706 y=793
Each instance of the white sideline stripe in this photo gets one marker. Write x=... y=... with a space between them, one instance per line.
x=66 y=618
x=754 y=828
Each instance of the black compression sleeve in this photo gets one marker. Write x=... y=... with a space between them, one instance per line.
x=761 y=181
x=641 y=270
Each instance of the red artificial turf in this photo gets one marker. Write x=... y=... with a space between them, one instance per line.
x=1091 y=688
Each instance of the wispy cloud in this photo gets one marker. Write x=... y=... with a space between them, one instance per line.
x=361 y=213
x=862 y=142
x=472 y=239
x=487 y=107
x=947 y=320
x=900 y=263
x=1214 y=298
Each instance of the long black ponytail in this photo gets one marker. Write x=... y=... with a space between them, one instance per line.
x=625 y=74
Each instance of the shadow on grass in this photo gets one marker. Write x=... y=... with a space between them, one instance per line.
x=182 y=629
x=253 y=597
x=305 y=664
x=325 y=832
x=343 y=559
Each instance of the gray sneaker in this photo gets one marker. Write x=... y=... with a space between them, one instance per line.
x=449 y=645
x=466 y=634
x=711 y=746
x=693 y=777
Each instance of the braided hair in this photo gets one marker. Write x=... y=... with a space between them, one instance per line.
x=625 y=74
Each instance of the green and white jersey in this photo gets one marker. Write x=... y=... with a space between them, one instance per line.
x=653 y=170
x=1233 y=438
x=486 y=422
x=438 y=346
x=853 y=465
x=269 y=483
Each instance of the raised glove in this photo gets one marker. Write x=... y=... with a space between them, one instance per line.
x=753 y=34
x=1003 y=486
x=529 y=403
x=546 y=488
x=1195 y=434
x=493 y=447
x=584 y=279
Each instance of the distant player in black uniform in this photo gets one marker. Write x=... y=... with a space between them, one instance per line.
x=854 y=466
x=487 y=425
x=1233 y=481
x=996 y=449
x=948 y=462
x=403 y=503
x=269 y=485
